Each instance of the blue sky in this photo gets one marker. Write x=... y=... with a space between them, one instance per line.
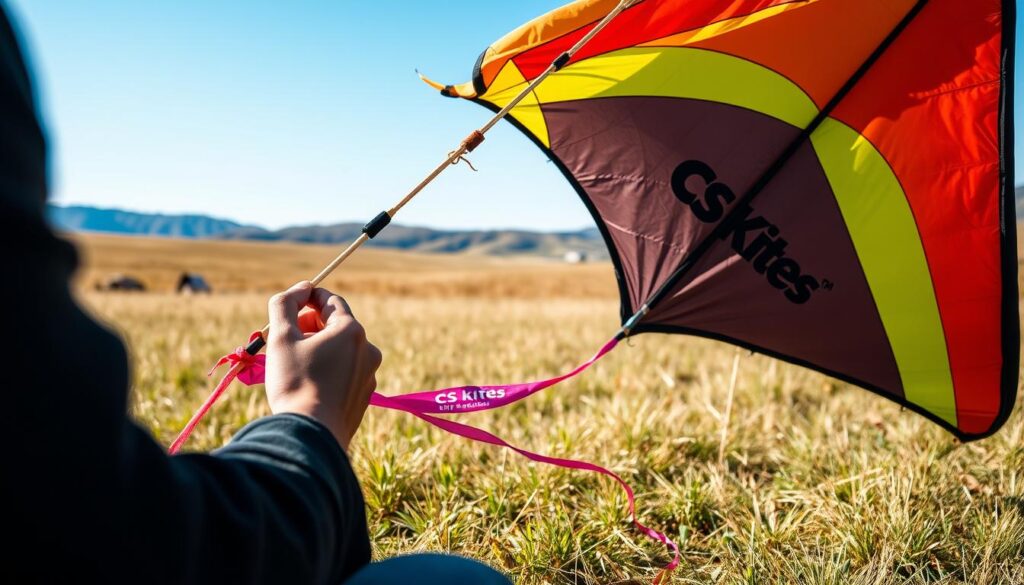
x=280 y=113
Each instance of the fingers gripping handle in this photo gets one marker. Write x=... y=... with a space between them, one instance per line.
x=371 y=229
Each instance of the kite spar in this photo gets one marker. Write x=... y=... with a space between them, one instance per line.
x=468 y=145
x=246 y=357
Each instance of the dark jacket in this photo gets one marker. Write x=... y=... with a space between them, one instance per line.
x=87 y=495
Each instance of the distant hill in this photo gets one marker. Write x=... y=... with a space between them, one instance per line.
x=78 y=218
x=1020 y=203
x=396 y=236
x=421 y=239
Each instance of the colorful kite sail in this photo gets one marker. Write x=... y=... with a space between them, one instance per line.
x=823 y=181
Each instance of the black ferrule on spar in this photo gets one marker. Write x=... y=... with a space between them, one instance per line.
x=255 y=345
x=562 y=61
x=377 y=224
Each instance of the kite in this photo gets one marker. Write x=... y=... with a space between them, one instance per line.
x=827 y=182
x=823 y=181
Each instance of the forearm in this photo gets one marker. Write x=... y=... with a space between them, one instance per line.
x=279 y=504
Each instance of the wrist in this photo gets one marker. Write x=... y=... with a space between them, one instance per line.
x=315 y=410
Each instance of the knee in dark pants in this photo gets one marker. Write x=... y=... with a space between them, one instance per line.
x=428 y=569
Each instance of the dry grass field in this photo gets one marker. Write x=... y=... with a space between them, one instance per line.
x=815 y=481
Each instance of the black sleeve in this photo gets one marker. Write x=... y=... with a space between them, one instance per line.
x=279 y=504
x=88 y=496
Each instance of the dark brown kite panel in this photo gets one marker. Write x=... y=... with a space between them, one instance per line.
x=814 y=305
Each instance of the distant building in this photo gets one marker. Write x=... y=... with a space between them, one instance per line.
x=121 y=282
x=575 y=257
x=192 y=283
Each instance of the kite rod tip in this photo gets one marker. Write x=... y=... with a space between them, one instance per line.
x=429 y=81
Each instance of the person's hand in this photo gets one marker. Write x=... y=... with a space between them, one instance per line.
x=319 y=362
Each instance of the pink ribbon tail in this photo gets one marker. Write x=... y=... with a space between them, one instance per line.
x=251 y=370
x=476 y=398
x=483 y=436
x=248 y=369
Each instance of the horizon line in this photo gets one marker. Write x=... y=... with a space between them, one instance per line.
x=199 y=214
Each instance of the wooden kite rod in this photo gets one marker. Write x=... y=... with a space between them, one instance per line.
x=470 y=143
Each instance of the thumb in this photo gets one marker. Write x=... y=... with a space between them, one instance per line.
x=284 y=310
